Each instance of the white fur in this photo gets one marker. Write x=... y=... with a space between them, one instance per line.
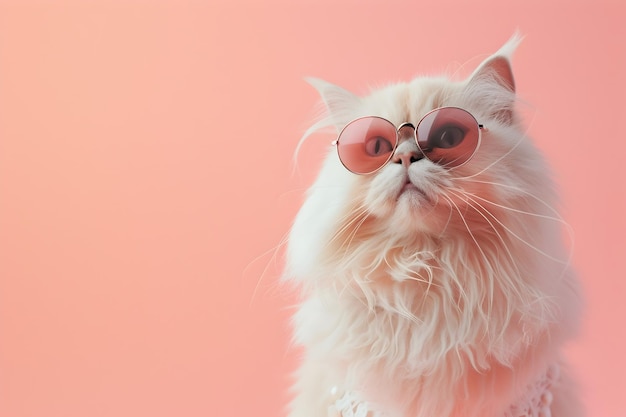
x=449 y=301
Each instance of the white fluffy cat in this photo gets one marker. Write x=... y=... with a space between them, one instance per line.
x=429 y=290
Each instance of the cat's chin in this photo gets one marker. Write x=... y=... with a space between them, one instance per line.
x=413 y=211
x=413 y=206
x=412 y=194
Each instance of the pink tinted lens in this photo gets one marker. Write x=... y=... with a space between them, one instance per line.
x=366 y=144
x=448 y=136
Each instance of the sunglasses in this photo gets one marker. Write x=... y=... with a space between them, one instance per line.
x=448 y=136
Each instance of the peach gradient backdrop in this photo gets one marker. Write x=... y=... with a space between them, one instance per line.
x=146 y=177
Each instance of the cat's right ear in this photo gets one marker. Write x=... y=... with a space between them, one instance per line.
x=498 y=66
x=493 y=86
x=340 y=103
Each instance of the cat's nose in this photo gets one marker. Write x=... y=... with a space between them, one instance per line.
x=407 y=158
x=407 y=151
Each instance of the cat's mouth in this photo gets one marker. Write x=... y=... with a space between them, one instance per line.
x=411 y=190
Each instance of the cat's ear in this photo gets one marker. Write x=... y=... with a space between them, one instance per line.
x=339 y=102
x=495 y=78
x=497 y=67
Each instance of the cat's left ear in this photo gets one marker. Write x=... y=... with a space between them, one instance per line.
x=493 y=81
x=339 y=102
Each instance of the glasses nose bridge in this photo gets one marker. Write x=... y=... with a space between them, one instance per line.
x=406 y=131
x=407 y=150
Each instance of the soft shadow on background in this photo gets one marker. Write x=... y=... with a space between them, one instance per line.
x=146 y=182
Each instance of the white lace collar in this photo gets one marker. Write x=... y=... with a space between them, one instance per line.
x=535 y=402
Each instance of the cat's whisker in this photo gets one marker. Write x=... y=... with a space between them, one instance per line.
x=445 y=226
x=521 y=191
x=522 y=137
x=346 y=285
x=357 y=219
x=480 y=249
x=468 y=200
x=557 y=217
x=297 y=191
x=348 y=241
x=273 y=260
x=512 y=233
x=497 y=160
x=353 y=219
x=508 y=279
x=348 y=220
x=469 y=230
x=515 y=210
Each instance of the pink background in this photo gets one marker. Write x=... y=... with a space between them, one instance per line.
x=146 y=181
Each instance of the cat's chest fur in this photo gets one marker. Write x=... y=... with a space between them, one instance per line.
x=377 y=361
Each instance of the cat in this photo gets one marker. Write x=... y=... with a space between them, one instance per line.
x=431 y=289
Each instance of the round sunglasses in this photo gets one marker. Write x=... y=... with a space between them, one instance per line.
x=448 y=136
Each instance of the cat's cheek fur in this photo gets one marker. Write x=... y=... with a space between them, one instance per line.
x=318 y=220
x=381 y=194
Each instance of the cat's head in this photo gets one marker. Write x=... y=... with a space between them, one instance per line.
x=412 y=198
